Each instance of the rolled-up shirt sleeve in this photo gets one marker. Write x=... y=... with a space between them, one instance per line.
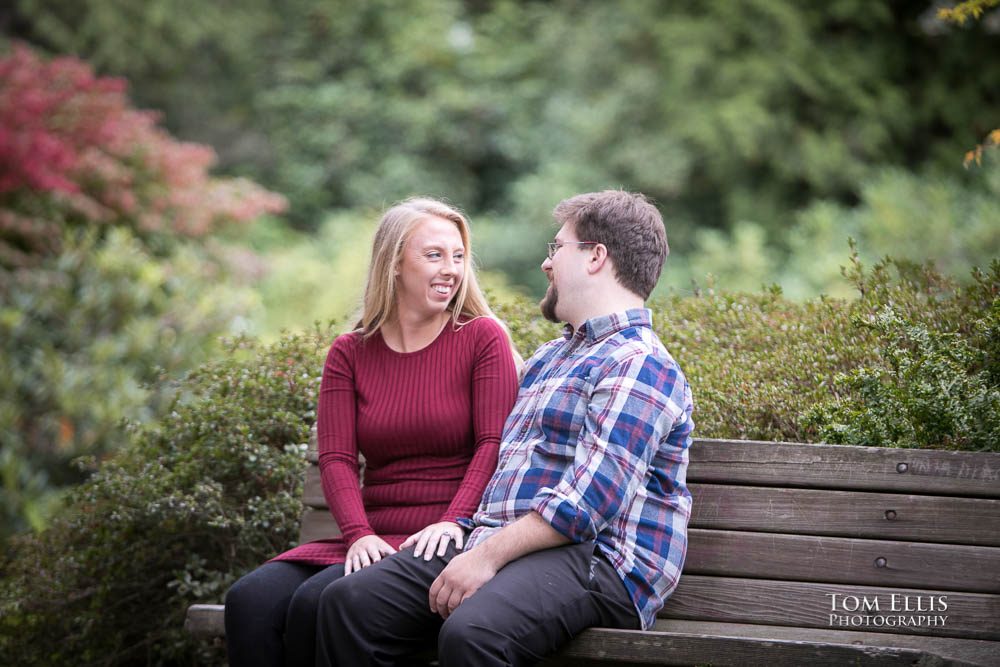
x=630 y=409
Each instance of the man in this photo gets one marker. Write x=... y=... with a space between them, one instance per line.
x=584 y=522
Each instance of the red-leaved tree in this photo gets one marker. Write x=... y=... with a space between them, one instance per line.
x=72 y=152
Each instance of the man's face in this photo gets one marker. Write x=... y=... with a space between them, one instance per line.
x=561 y=269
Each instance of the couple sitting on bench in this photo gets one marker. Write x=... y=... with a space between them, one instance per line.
x=500 y=521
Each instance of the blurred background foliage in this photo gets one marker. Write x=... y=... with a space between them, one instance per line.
x=768 y=131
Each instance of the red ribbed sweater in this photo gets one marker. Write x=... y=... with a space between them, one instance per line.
x=428 y=423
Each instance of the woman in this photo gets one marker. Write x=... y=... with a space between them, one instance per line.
x=421 y=388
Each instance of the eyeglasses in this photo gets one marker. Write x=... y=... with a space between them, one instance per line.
x=554 y=247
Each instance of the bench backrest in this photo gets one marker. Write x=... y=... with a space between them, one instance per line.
x=823 y=536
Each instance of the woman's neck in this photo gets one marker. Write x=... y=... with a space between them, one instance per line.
x=409 y=333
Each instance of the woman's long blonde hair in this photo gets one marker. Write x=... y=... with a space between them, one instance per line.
x=394 y=230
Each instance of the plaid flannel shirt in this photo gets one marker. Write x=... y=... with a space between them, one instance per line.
x=597 y=444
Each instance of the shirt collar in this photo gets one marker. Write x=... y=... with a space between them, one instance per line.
x=598 y=328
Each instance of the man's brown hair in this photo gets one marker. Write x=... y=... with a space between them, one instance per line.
x=629 y=226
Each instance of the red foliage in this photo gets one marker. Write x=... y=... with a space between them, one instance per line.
x=72 y=138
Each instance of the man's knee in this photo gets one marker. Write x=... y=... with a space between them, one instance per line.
x=338 y=599
x=455 y=637
x=463 y=636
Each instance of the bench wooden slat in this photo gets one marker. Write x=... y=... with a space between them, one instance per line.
x=685 y=643
x=916 y=518
x=312 y=492
x=923 y=471
x=972 y=651
x=845 y=467
x=808 y=605
x=317 y=524
x=843 y=560
x=633 y=648
x=205 y=621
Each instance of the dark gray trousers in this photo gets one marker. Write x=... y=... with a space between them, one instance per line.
x=533 y=606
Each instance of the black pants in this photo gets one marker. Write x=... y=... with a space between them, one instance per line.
x=271 y=614
x=531 y=608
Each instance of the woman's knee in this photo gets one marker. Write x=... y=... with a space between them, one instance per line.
x=265 y=591
x=245 y=594
x=300 y=624
x=306 y=600
x=303 y=606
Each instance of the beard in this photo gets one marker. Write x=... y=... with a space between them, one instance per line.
x=548 y=304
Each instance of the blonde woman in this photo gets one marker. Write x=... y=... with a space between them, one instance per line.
x=421 y=388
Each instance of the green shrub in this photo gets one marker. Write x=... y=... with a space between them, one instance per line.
x=527 y=326
x=193 y=504
x=936 y=382
x=755 y=362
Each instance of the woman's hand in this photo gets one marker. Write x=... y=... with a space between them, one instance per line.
x=365 y=551
x=434 y=539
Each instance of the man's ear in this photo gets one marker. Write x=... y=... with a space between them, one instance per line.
x=598 y=258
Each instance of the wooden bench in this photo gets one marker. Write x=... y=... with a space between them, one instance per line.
x=807 y=554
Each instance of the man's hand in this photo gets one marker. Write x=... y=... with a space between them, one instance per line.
x=469 y=571
x=463 y=576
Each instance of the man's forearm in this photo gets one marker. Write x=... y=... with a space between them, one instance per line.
x=528 y=534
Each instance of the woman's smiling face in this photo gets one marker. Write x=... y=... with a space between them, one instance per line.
x=431 y=269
